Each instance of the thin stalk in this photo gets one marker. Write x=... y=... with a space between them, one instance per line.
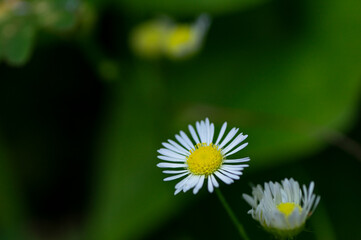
x=231 y=214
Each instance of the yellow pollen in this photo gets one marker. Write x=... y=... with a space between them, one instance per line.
x=204 y=159
x=288 y=207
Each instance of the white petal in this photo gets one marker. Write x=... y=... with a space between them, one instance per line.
x=225 y=179
x=199 y=185
x=208 y=131
x=278 y=220
x=294 y=218
x=316 y=203
x=202 y=24
x=284 y=196
x=211 y=133
x=236 y=172
x=171 y=165
x=177 y=191
x=200 y=132
x=310 y=203
x=237 y=149
x=181 y=183
x=174 y=177
x=170 y=153
x=191 y=183
x=210 y=185
x=174 y=171
x=188 y=141
x=171 y=159
x=234 y=143
x=204 y=131
x=239 y=173
x=214 y=181
x=193 y=133
x=174 y=149
x=229 y=137
x=310 y=189
x=181 y=141
x=249 y=200
x=179 y=147
x=305 y=194
x=246 y=159
x=228 y=174
x=235 y=167
x=223 y=129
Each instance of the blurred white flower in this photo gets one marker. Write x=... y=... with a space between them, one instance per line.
x=163 y=37
x=203 y=158
x=183 y=40
x=282 y=209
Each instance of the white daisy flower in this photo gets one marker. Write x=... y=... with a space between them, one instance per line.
x=202 y=158
x=282 y=209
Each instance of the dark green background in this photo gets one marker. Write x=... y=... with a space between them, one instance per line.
x=82 y=117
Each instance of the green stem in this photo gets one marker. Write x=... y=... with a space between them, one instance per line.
x=231 y=214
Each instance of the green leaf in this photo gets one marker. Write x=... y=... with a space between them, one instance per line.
x=56 y=15
x=17 y=37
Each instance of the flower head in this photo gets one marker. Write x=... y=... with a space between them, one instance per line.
x=164 y=37
x=202 y=159
x=282 y=209
x=183 y=40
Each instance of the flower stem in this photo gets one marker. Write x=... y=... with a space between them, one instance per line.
x=231 y=214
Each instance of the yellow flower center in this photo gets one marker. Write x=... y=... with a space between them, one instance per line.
x=288 y=207
x=147 y=38
x=204 y=159
x=180 y=35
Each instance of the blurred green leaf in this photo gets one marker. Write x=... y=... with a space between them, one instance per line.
x=17 y=37
x=64 y=21
x=58 y=15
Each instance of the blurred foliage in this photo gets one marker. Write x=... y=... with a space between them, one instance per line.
x=187 y=7
x=11 y=219
x=286 y=73
x=19 y=21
